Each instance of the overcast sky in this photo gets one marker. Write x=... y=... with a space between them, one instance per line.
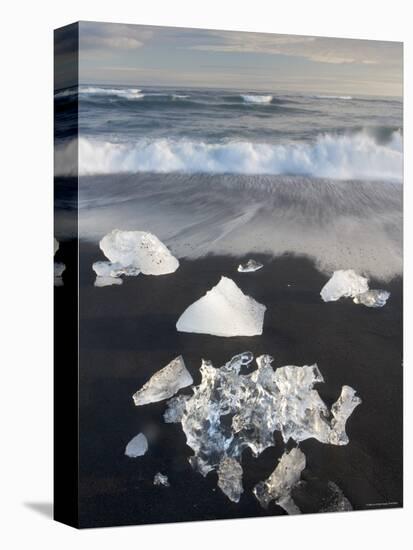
x=144 y=55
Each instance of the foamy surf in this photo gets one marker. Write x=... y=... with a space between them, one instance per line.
x=125 y=93
x=257 y=99
x=333 y=156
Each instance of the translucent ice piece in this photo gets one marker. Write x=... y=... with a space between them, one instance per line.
x=55 y=245
x=137 y=446
x=223 y=311
x=251 y=265
x=344 y=284
x=161 y=480
x=140 y=250
x=59 y=269
x=230 y=478
x=107 y=281
x=165 y=383
x=372 y=298
x=279 y=485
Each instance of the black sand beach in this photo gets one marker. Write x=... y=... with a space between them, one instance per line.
x=130 y=334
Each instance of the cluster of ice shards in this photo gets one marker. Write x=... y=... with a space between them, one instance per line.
x=224 y=311
x=251 y=265
x=131 y=253
x=137 y=446
x=164 y=384
x=346 y=283
x=230 y=411
x=58 y=266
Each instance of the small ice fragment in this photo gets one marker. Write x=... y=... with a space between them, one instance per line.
x=344 y=284
x=109 y=269
x=175 y=409
x=279 y=485
x=230 y=478
x=58 y=266
x=140 y=250
x=341 y=410
x=223 y=311
x=372 y=298
x=161 y=480
x=164 y=384
x=107 y=281
x=249 y=266
x=314 y=495
x=137 y=446
x=58 y=269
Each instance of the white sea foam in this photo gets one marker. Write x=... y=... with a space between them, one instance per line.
x=357 y=156
x=257 y=99
x=347 y=97
x=126 y=93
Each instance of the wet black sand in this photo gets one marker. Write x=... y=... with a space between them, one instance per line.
x=128 y=332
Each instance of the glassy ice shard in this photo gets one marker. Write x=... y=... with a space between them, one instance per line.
x=165 y=383
x=230 y=411
x=58 y=269
x=161 y=480
x=281 y=482
x=315 y=495
x=230 y=478
x=372 y=298
x=55 y=245
x=345 y=283
x=224 y=311
x=58 y=266
x=251 y=265
x=138 y=250
x=137 y=446
x=107 y=281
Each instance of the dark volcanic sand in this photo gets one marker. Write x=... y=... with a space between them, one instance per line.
x=128 y=332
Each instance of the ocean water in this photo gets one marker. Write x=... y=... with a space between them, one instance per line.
x=230 y=172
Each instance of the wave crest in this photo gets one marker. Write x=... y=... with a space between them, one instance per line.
x=257 y=99
x=357 y=156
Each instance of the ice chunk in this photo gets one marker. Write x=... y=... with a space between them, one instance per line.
x=109 y=269
x=230 y=411
x=372 y=298
x=140 y=250
x=107 y=281
x=315 y=495
x=341 y=410
x=58 y=269
x=335 y=501
x=230 y=478
x=344 y=284
x=281 y=482
x=165 y=383
x=251 y=265
x=224 y=311
x=137 y=446
x=161 y=480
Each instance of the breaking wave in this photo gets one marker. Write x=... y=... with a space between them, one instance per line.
x=333 y=97
x=258 y=99
x=357 y=156
x=125 y=93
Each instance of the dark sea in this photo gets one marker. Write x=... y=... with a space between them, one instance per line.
x=306 y=184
